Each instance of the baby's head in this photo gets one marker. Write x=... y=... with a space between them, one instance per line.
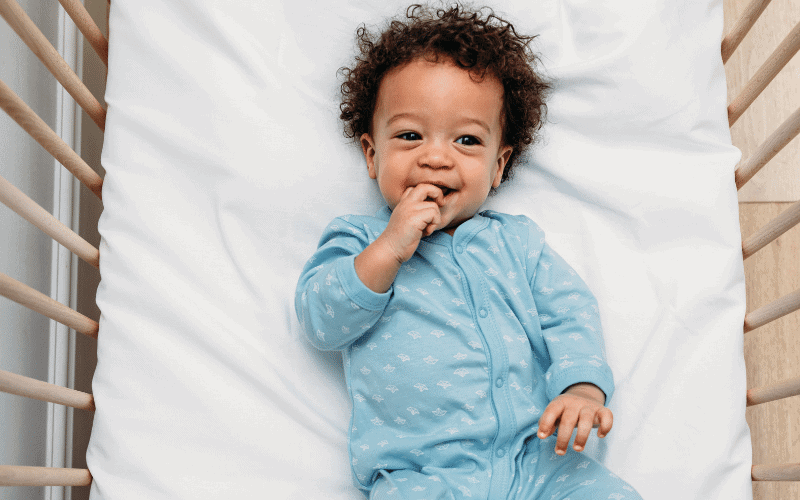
x=443 y=88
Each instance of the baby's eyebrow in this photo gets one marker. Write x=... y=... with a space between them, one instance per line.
x=398 y=116
x=476 y=121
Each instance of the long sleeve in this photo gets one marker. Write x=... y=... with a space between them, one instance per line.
x=334 y=307
x=571 y=329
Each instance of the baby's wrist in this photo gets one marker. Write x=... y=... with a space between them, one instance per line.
x=587 y=390
x=388 y=249
x=377 y=266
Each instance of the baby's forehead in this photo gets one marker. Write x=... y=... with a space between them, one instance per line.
x=483 y=77
x=421 y=79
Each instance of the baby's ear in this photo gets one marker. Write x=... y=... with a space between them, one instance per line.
x=502 y=160
x=368 y=147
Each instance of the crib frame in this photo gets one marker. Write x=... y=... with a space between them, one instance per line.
x=14 y=15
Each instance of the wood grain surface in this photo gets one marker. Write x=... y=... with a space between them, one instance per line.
x=772 y=352
x=779 y=181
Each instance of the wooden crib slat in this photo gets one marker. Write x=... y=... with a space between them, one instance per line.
x=742 y=27
x=88 y=27
x=773 y=392
x=782 y=136
x=41 y=303
x=36 y=389
x=18 y=475
x=772 y=311
x=19 y=21
x=765 y=74
x=17 y=201
x=772 y=231
x=21 y=113
x=779 y=472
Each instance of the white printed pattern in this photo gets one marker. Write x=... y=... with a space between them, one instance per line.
x=402 y=376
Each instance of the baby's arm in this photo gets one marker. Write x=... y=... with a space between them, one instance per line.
x=579 y=381
x=342 y=291
x=333 y=305
x=416 y=215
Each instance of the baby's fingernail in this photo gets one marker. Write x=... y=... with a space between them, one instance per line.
x=560 y=452
x=541 y=435
x=578 y=448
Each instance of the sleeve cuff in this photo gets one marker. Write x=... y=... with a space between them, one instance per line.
x=558 y=381
x=356 y=290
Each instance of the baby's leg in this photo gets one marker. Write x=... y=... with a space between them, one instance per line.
x=543 y=475
x=409 y=485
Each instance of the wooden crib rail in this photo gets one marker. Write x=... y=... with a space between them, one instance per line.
x=782 y=136
x=12 y=383
x=19 y=21
x=789 y=303
x=17 y=201
x=765 y=74
x=80 y=16
x=780 y=472
x=41 y=303
x=742 y=27
x=21 y=113
x=772 y=230
x=17 y=475
x=773 y=392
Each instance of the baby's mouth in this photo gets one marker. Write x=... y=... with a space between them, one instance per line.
x=445 y=190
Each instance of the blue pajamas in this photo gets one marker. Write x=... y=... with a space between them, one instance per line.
x=540 y=475
x=451 y=368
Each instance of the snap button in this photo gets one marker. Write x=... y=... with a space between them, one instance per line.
x=499 y=382
x=483 y=313
x=460 y=249
x=501 y=452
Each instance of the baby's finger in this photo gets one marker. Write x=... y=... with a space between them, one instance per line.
x=406 y=193
x=548 y=419
x=429 y=192
x=606 y=422
x=434 y=223
x=585 y=421
x=565 y=428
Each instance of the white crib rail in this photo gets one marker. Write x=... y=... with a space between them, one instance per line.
x=15 y=384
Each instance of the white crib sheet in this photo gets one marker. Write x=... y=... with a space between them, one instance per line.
x=225 y=160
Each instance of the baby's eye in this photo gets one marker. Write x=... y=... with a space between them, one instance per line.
x=468 y=140
x=409 y=136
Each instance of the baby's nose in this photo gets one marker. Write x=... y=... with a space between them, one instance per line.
x=436 y=156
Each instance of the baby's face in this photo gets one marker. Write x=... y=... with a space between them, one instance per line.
x=434 y=124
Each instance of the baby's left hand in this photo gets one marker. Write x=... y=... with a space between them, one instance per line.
x=581 y=406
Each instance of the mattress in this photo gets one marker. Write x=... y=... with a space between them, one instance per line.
x=225 y=160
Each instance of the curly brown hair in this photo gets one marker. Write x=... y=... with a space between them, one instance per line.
x=478 y=43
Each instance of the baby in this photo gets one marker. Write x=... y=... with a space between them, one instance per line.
x=467 y=340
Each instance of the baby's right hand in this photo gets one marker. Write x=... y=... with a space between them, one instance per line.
x=417 y=215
